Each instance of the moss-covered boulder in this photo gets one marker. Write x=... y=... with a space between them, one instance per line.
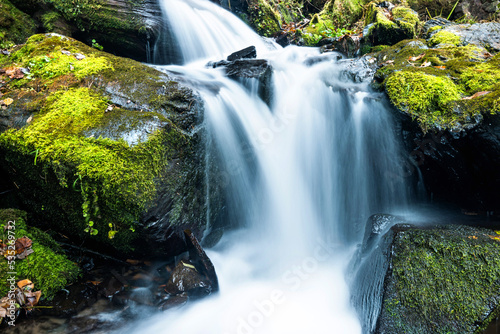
x=386 y=24
x=47 y=267
x=441 y=280
x=15 y=26
x=109 y=148
x=444 y=86
x=123 y=26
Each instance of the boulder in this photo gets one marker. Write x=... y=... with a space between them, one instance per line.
x=484 y=35
x=129 y=28
x=185 y=278
x=116 y=142
x=440 y=279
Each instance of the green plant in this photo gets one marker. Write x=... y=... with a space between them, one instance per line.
x=96 y=45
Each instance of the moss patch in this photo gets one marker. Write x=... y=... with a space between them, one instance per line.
x=15 y=26
x=264 y=18
x=444 y=38
x=423 y=96
x=444 y=280
x=47 y=267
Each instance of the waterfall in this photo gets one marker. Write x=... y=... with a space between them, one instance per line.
x=305 y=172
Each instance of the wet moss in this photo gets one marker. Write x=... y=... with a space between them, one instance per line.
x=47 y=267
x=15 y=26
x=443 y=280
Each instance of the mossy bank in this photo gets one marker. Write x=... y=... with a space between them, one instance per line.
x=101 y=144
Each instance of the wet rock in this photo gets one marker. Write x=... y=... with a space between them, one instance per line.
x=376 y=226
x=200 y=260
x=185 y=278
x=359 y=69
x=174 y=302
x=435 y=24
x=347 y=44
x=249 y=52
x=71 y=300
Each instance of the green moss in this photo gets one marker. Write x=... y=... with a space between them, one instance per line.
x=15 y=26
x=406 y=19
x=423 y=96
x=444 y=37
x=464 y=65
x=47 y=267
x=264 y=19
x=444 y=280
x=49 y=19
x=402 y=24
x=482 y=77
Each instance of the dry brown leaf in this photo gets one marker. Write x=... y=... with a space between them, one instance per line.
x=32 y=298
x=426 y=64
x=8 y=101
x=420 y=56
x=476 y=95
x=26 y=285
x=22 y=244
x=440 y=67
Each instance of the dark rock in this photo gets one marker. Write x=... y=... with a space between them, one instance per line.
x=200 y=260
x=461 y=169
x=376 y=226
x=71 y=300
x=185 y=278
x=347 y=44
x=249 y=52
x=174 y=302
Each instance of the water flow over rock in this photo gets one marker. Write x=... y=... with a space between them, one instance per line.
x=302 y=174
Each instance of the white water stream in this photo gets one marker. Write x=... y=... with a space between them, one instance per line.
x=305 y=174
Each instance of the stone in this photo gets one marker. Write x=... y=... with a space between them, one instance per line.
x=248 y=52
x=200 y=259
x=185 y=278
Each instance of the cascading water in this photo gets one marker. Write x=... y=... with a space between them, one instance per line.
x=305 y=174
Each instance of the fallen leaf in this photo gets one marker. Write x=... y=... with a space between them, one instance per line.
x=426 y=64
x=67 y=53
x=26 y=285
x=22 y=244
x=8 y=101
x=476 y=95
x=29 y=119
x=133 y=262
x=32 y=298
x=420 y=56
x=440 y=67
x=188 y=265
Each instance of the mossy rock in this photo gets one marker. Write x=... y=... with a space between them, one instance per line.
x=442 y=280
x=123 y=26
x=15 y=26
x=442 y=88
x=264 y=18
x=47 y=267
x=111 y=145
x=388 y=26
